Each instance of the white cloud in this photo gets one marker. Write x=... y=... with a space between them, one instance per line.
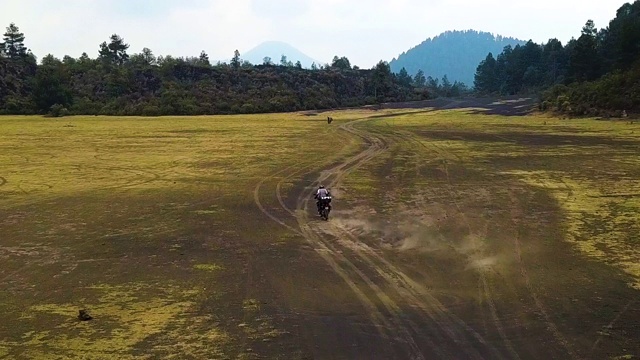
x=219 y=29
x=364 y=31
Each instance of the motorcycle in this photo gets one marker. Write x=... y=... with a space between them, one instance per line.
x=324 y=207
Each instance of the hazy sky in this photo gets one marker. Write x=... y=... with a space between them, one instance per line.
x=364 y=31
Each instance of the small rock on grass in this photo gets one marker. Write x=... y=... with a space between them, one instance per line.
x=83 y=315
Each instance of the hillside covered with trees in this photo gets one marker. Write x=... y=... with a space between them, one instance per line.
x=596 y=74
x=119 y=83
x=452 y=53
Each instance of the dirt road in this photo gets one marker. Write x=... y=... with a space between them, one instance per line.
x=485 y=292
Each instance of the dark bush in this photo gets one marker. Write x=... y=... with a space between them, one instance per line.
x=57 y=110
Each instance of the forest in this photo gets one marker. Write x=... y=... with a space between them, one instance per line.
x=452 y=53
x=597 y=74
x=120 y=83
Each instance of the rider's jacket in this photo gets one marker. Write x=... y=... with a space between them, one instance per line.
x=322 y=193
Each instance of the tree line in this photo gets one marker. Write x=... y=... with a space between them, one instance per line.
x=455 y=53
x=118 y=82
x=596 y=74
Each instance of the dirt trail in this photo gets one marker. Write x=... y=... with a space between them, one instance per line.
x=450 y=328
x=483 y=313
x=383 y=289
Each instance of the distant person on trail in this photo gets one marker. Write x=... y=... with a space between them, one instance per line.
x=320 y=194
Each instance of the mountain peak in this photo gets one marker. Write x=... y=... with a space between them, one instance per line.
x=275 y=49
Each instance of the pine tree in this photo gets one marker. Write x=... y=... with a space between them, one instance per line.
x=584 y=61
x=404 y=78
x=13 y=45
x=382 y=80
x=115 y=52
x=204 y=59
x=341 y=63
x=419 y=80
x=235 y=61
x=485 y=78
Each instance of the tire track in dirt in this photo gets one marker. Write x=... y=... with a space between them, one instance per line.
x=412 y=290
x=374 y=145
x=130 y=181
x=383 y=325
x=341 y=265
x=391 y=280
x=412 y=285
x=394 y=325
x=484 y=286
x=480 y=296
x=496 y=319
x=515 y=215
x=449 y=326
x=610 y=325
x=13 y=273
x=290 y=176
x=278 y=190
x=258 y=202
x=136 y=172
x=474 y=235
x=551 y=326
x=418 y=297
x=34 y=184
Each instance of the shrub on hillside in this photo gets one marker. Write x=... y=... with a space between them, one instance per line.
x=57 y=110
x=611 y=95
x=151 y=110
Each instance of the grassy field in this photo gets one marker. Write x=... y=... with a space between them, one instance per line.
x=589 y=168
x=455 y=234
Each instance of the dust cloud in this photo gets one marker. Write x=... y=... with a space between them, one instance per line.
x=422 y=234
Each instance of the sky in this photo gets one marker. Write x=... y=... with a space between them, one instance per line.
x=364 y=31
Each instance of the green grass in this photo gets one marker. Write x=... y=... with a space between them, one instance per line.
x=150 y=223
x=124 y=317
x=62 y=157
x=590 y=167
x=122 y=216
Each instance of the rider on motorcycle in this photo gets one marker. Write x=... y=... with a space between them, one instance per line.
x=320 y=194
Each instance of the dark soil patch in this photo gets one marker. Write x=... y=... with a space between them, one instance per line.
x=486 y=106
x=528 y=139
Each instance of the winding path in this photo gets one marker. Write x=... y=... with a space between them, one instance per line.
x=384 y=290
